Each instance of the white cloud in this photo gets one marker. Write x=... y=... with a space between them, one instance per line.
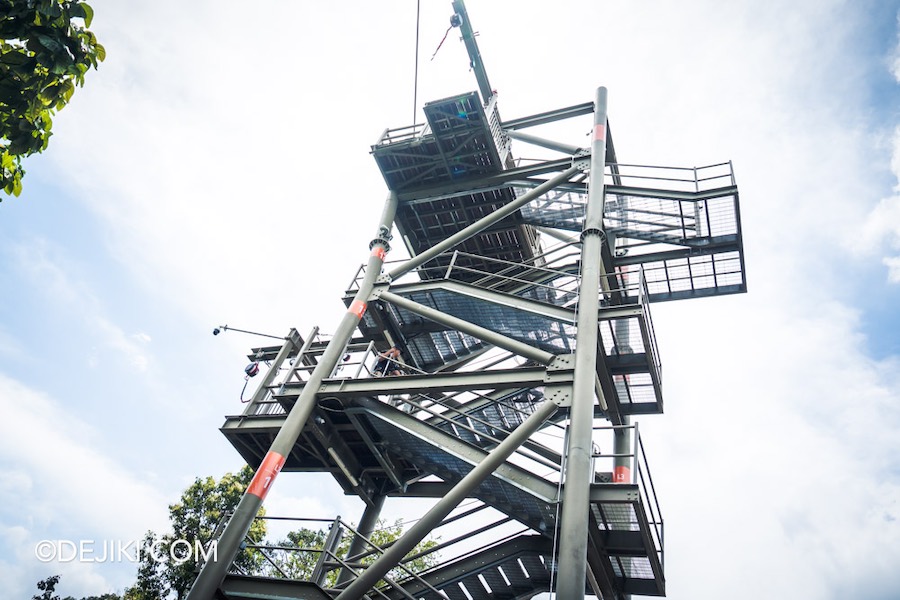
x=894 y=58
x=65 y=489
x=61 y=281
x=882 y=226
x=893 y=265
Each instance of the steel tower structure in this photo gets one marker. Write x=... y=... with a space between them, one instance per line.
x=526 y=347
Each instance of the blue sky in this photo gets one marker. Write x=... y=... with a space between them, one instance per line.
x=216 y=170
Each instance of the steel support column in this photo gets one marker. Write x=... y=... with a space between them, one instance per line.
x=405 y=543
x=575 y=500
x=365 y=528
x=213 y=572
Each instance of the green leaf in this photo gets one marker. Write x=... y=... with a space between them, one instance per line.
x=88 y=14
x=16 y=57
x=50 y=44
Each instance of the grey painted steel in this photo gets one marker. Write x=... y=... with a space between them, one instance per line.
x=437 y=382
x=485 y=183
x=575 y=501
x=263 y=388
x=364 y=530
x=213 y=572
x=544 y=143
x=493 y=297
x=622 y=449
x=468 y=36
x=335 y=534
x=550 y=116
x=482 y=223
x=486 y=335
x=245 y=587
x=445 y=505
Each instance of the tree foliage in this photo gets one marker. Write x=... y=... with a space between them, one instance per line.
x=300 y=563
x=45 y=50
x=203 y=508
x=48 y=591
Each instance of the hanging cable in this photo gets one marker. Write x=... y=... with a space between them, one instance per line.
x=455 y=21
x=250 y=370
x=556 y=526
x=416 y=78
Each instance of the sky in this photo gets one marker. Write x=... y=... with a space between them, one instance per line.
x=216 y=170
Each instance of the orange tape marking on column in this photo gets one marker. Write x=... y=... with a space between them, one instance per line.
x=599 y=132
x=358 y=308
x=621 y=475
x=379 y=252
x=265 y=475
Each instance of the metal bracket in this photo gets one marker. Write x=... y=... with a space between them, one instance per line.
x=593 y=231
x=582 y=161
x=381 y=286
x=382 y=237
x=560 y=395
x=562 y=362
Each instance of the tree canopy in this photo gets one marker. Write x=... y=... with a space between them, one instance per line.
x=197 y=517
x=45 y=50
x=298 y=552
x=203 y=507
x=48 y=591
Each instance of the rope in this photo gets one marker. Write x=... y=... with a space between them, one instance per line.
x=443 y=39
x=556 y=528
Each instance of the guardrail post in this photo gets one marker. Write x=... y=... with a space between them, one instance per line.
x=331 y=543
x=363 y=531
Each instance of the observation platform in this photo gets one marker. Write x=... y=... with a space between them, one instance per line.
x=461 y=141
x=680 y=225
x=408 y=446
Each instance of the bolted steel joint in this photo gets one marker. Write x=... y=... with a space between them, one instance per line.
x=593 y=231
x=382 y=241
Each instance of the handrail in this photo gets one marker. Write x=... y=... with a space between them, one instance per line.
x=640 y=476
x=461 y=546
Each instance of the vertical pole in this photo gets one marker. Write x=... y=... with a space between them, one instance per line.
x=468 y=36
x=622 y=450
x=213 y=572
x=364 y=529
x=328 y=550
x=575 y=501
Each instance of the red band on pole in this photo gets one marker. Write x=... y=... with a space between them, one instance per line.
x=358 y=308
x=379 y=252
x=599 y=132
x=265 y=475
x=621 y=475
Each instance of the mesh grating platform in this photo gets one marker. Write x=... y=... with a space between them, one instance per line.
x=552 y=335
x=461 y=141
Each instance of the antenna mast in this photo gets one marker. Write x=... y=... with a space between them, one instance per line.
x=468 y=36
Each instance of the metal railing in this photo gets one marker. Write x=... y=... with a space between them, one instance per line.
x=684 y=179
x=640 y=476
x=326 y=560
